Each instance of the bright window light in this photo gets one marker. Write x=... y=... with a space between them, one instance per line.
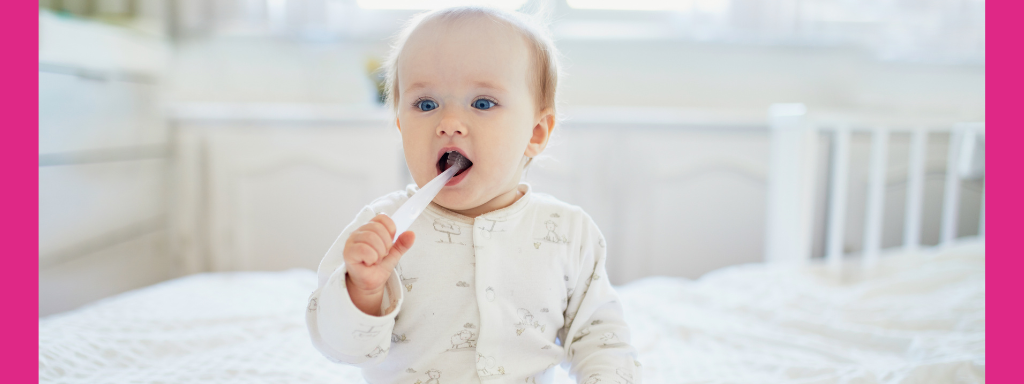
x=652 y=5
x=433 y=4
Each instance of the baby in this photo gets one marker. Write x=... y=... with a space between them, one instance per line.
x=502 y=283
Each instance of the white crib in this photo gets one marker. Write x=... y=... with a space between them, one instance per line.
x=794 y=146
x=683 y=193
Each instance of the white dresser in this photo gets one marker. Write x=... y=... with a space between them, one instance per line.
x=103 y=163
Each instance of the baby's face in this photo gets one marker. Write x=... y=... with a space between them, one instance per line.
x=465 y=86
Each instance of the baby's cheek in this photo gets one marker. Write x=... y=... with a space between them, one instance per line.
x=510 y=164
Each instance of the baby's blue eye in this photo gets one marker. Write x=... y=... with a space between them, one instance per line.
x=426 y=105
x=483 y=104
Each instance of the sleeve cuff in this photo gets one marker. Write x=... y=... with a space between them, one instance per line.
x=344 y=328
x=336 y=292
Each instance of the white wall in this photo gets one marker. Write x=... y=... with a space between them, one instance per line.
x=670 y=73
x=735 y=76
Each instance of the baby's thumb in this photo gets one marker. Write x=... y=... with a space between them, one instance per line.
x=401 y=246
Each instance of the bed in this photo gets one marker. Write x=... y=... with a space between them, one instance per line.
x=914 y=317
x=908 y=314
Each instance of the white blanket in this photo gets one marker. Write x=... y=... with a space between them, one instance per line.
x=915 y=318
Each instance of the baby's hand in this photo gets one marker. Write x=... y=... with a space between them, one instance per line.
x=370 y=258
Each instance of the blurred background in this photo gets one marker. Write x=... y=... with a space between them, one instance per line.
x=187 y=136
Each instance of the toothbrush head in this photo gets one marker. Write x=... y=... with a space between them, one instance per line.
x=455 y=159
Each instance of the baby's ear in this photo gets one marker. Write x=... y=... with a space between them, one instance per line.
x=541 y=132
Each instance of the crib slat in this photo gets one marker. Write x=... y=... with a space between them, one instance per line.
x=951 y=196
x=876 y=196
x=837 y=196
x=915 y=190
x=981 y=221
x=790 y=195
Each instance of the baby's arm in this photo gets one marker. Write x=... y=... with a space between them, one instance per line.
x=595 y=336
x=350 y=319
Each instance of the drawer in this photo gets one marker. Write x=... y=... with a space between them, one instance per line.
x=81 y=114
x=85 y=203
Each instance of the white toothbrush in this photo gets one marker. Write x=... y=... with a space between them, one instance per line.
x=413 y=207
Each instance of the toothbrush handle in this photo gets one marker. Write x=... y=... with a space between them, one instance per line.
x=413 y=207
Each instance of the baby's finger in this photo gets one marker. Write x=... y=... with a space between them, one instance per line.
x=374 y=241
x=403 y=244
x=389 y=224
x=363 y=253
x=381 y=231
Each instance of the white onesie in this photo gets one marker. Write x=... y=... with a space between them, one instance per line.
x=502 y=297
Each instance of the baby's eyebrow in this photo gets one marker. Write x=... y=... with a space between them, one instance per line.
x=415 y=86
x=478 y=84
x=484 y=84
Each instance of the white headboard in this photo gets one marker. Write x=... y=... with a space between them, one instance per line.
x=792 y=176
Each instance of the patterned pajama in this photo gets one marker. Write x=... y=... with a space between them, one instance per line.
x=502 y=297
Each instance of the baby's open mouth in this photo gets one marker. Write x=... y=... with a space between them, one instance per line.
x=451 y=158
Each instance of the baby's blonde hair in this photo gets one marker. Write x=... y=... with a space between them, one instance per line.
x=542 y=47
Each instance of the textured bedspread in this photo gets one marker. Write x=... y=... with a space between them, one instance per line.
x=912 y=319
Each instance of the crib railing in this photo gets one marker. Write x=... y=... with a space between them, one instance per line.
x=791 y=181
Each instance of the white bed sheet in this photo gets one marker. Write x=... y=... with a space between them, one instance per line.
x=915 y=318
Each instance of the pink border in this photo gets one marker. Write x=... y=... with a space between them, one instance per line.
x=19 y=28
x=1004 y=60
x=19 y=100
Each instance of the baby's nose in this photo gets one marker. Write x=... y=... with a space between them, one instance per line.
x=451 y=126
